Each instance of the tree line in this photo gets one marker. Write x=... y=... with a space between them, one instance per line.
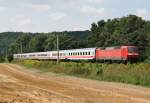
x=45 y=42
x=128 y=30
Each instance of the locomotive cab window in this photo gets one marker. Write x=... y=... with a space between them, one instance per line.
x=132 y=49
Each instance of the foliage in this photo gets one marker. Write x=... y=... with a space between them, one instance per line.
x=6 y=39
x=2 y=58
x=10 y=58
x=137 y=74
x=39 y=42
x=130 y=30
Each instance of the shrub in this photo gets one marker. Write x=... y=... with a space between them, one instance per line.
x=137 y=74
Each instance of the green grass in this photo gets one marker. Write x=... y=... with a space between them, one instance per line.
x=138 y=74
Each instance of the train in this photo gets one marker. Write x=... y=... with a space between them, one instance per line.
x=117 y=53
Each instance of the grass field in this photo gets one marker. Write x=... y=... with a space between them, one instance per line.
x=138 y=74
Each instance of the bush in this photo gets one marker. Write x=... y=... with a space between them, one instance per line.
x=10 y=58
x=137 y=74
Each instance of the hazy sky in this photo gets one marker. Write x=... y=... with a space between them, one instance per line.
x=60 y=15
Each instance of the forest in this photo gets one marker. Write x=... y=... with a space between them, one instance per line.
x=127 y=30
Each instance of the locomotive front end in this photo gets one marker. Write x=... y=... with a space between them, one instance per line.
x=133 y=53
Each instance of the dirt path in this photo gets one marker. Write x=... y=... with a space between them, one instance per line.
x=18 y=85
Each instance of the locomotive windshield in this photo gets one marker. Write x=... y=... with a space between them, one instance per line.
x=133 y=50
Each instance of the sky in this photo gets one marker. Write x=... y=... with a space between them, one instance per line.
x=62 y=15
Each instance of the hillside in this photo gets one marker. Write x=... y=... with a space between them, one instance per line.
x=7 y=38
x=18 y=85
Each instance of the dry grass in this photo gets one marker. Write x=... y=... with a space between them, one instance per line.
x=138 y=74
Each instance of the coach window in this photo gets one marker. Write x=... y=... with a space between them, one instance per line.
x=89 y=53
x=80 y=53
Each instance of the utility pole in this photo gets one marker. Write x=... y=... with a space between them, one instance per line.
x=57 y=48
x=21 y=47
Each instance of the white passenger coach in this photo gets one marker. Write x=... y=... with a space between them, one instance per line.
x=74 y=54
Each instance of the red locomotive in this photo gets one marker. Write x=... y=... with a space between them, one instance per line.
x=124 y=53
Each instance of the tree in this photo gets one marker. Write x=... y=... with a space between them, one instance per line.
x=129 y=30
